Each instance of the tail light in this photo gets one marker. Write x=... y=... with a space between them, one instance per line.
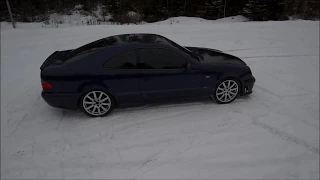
x=46 y=85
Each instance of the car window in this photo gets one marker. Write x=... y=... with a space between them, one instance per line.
x=78 y=57
x=125 y=60
x=160 y=59
x=91 y=47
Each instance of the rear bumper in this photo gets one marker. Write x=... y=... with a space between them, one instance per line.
x=61 y=100
x=247 y=85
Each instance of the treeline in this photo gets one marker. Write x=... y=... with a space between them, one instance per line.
x=155 y=10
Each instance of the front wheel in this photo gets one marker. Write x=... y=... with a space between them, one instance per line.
x=226 y=91
x=96 y=103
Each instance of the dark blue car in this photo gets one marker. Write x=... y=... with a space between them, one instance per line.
x=131 y=69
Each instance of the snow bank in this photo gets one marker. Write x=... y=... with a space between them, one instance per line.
x=76 y=18
x=196 y=20
x=238 y=18
x=20 y=25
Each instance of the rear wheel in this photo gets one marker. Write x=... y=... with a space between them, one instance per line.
x=226 y=91
x=97 y=103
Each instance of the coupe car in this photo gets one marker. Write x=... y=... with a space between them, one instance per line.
x=129 y=69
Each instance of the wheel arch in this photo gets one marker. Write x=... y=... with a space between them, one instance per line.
x=233 y=77
x=90 y=86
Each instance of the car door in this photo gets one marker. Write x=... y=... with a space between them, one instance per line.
x=164 y=74
x=121 y=77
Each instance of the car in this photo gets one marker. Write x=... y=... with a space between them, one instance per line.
x=132 y=69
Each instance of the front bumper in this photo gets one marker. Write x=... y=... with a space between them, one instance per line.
x=61 y=100
x=247 y=85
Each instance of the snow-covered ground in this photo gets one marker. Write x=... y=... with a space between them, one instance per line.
x=273 y=133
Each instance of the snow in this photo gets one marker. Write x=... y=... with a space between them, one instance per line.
x=132 y=13
x=271 y=134
x=238 y=18
x=78 y=6
x=79 y=17
x=99 y=13
x=196 y=20
x=76 y=18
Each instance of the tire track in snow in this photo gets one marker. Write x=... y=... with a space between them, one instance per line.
x=268 y=91
x=292 y=84
x=174 y=157
x=248 y=49
x=222 y=126
x=19 y=124
x=62 y=117
x=151 y=158
x=172 y=115
x=298 y=55
x=285 y=136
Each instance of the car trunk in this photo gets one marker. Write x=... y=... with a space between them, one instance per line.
x=56 y=58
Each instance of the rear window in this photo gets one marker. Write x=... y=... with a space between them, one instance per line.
x=78 y=57
x=93 y=47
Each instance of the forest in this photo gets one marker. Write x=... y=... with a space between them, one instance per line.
x=155 y=10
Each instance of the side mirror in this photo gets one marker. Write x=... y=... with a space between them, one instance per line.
x=188 y=66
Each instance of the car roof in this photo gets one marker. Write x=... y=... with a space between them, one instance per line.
x=124 y=41
x=112 y=45
x=136 y=39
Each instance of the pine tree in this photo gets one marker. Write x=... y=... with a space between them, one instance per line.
x=263 y=9
x=256 y=9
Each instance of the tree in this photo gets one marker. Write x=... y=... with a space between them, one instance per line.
x=263 y=9
x=224 y=9
x=155 y=10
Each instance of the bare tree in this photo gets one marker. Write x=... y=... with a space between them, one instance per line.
x=304 y=9
x=171 y=5
x=286 y=7
x=225 y=5
x=10 y=13
x=219 y=9
x=296 y=8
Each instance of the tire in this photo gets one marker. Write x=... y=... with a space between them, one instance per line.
x=226 y=91
x=96 y=103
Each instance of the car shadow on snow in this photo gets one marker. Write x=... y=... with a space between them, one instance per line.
x=79 y=115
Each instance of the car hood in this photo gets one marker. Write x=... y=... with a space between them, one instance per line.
x=207 y=55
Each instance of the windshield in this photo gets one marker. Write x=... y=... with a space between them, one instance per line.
x=185 y=50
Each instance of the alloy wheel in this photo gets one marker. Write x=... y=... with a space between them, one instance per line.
x=227 y=91
x=96 y=103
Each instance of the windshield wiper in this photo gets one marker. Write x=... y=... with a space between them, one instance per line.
x=198 y=56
